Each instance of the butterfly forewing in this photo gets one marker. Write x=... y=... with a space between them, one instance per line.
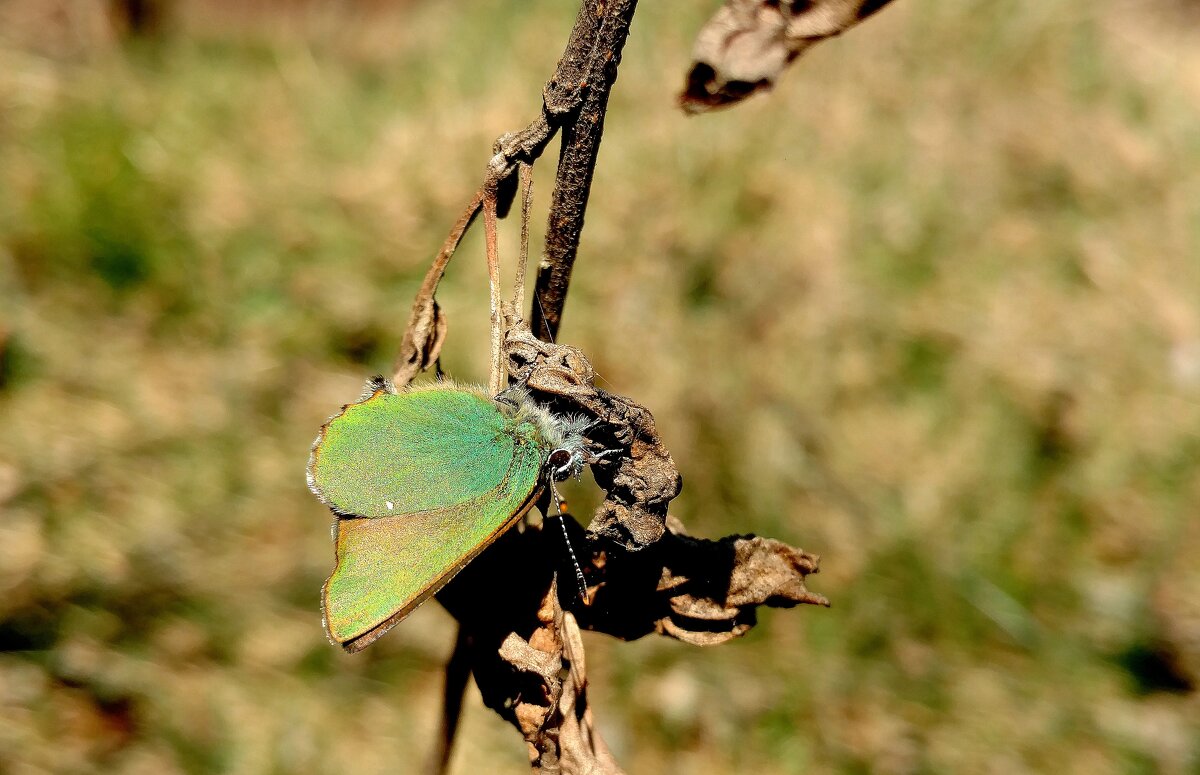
x=395 y=454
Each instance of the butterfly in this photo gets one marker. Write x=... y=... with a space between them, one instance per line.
x=421 y=480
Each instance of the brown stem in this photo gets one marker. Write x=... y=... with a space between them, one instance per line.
x=496 y=373
x=518 y=302
x=585 y=60
x=576 y=164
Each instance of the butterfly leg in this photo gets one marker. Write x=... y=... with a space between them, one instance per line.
x=591 y=458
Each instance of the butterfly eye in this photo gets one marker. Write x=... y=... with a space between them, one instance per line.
x=560 y=463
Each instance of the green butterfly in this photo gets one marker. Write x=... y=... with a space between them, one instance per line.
x=422 y=480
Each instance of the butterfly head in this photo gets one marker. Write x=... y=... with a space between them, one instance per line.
x=561 y=434
x=563 y=463
x=570 y=450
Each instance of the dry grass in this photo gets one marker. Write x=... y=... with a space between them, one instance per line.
x=932 y=309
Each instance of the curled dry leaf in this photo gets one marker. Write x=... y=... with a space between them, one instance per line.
x=422 y=340
x=636 y=472
x=763 y=572
x=426 y=330
x=745 y=46
x=695 y=590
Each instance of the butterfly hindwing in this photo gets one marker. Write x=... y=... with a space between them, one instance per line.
x=388 y=566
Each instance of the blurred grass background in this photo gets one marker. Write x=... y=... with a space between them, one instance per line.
x=931 y=309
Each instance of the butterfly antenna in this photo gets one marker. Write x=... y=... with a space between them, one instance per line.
x=549 y=333
x=561 y=506
x=537 y=299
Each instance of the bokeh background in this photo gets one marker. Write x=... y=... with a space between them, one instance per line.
x=931 y=309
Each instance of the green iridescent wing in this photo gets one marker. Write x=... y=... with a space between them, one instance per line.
x=431 y=478
x=401 y=453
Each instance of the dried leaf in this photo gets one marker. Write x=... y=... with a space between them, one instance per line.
x=422 y=341
x=637 y=472
x=426 y=329
x=745 y=46
x=695 y=590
